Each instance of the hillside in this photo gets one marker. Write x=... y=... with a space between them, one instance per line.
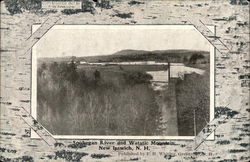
x=141 y=52
x=184 y=56
x=158 y=55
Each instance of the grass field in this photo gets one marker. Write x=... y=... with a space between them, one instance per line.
x=91 y=101
x=83 y=99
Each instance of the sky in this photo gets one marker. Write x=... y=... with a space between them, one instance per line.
x=91 y=40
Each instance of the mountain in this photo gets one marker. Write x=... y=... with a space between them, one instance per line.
x=131 y=52
x=157 y=52
x=129 y=55
x=157 y=55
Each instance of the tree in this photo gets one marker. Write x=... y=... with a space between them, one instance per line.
x=192 y=96
x=97 y=75
x=72 y=74
x=193 y=59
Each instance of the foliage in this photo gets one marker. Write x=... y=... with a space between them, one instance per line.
x=195 y=57
x=74 y=100
x=137 y=78
x=193 y=88
x=176 y=56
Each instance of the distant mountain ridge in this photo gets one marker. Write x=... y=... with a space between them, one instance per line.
x=175 y=56
x=139 y=52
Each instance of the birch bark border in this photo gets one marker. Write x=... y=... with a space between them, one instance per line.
x=50 y=22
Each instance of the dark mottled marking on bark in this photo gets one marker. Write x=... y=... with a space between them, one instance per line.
x=58 y=144
x=226 y=57
x=199 y=153
x=199 y=5
x=21 y=159
x=7 y=133
x=236 y=139
x=237 y=150
x=231 y=18
x=69 y=155
x=100 y=156
x=239 y=2
x=217 y=157
x=25 y=135
x=133 y=22
x=246 y=76
x=23 y=88
x=135 y=3
x=242 y=24
x=4 y=159
x=7 y=50
x=224 y=142
x=7 y=150
x=124 y=15
x=248 y=110
x=35 y=122
x=228 y=160
x=71 y=11
x=244 y=134
x=179 y=5
x=27 y=131
x=32 y=145
x=37 y=125
x=222 y=122
x=134 y=159
x=219 y=135
x=22 y=74
x=6 y=103
x=50 y=156
x=4 y=29
x=244 y=158
x=245 y=83
x=246 y=66
x=26 y=101
x=169 y=156
x=15 y=109
x=236 y=36
x=243 y=129
x=212 y=36
x=225 y=111
x=244 y=144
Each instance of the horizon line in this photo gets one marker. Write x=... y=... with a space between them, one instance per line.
x=128 y=50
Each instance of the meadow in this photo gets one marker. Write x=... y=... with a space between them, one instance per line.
x=84 y=99
x=90 y=101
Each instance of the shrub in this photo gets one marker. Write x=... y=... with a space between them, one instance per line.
x=70 y=101
x=193 y=59
x=192 y=95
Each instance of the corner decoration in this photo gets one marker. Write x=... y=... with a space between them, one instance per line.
x=222 y=114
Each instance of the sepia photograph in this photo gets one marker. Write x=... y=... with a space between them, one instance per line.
x=123 y=80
